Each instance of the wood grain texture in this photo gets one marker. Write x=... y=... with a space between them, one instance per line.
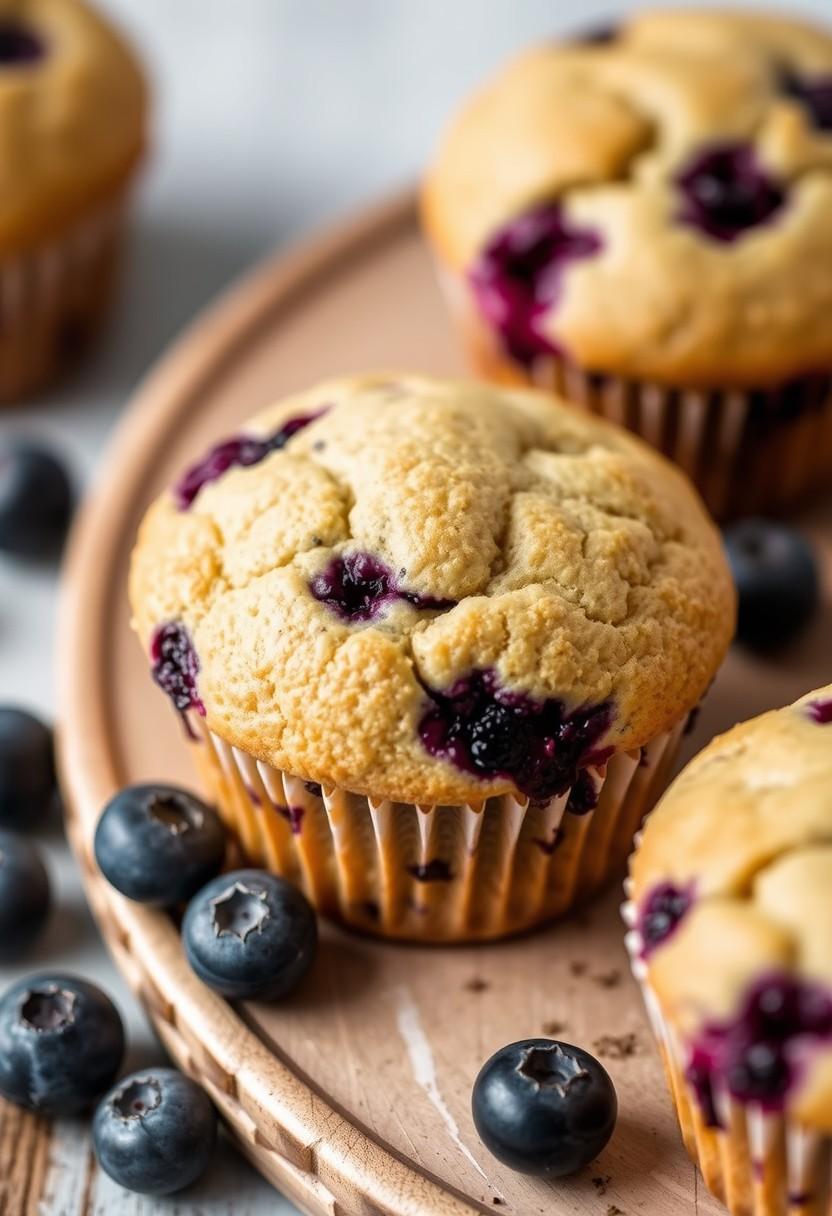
x=50 y=1170
x=353 y=1096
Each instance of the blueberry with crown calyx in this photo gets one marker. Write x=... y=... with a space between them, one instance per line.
x=61 y=1044
x=158 y=844
x=543 y=1107
x=250 y=935
x=154 y=1133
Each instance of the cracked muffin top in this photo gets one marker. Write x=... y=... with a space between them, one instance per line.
x=72 y=116
x=732 y=887
x=432 y=591
x=590 y=191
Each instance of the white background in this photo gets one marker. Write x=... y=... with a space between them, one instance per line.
x=271 y=117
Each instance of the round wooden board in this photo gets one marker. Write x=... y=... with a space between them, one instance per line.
x=353 y=1096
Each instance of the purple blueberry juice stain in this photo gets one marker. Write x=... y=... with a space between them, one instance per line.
x=358 y=586
x=436 y=870
x=813 y=92
x=660 y=915
x=19 y=46
x=583 y=797
x=490 y=732
x=549 y=846
x=293 y=816
x=241 y=451
x=726 y=192
x=176 y=667
x=757 y=1055
x=821 y=711
x=518 y=277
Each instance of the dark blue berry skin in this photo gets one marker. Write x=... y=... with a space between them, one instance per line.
x=158 y=844
x=27 y=769
x=543 y=1107
x=777 y=582
x=25 y=896
x=61 y=1044
x=36 y=500
x=155 y=1132
x=250 y=936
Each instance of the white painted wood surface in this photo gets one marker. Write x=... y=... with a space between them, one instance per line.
x=272 y=115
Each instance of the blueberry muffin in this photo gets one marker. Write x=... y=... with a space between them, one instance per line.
x=731 y=936
x=639 y=220
x=434 y=643
x=72 y=131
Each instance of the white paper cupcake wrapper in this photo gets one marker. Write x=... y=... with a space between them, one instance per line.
x=746 y=451
x=54 y=296
x=435 y=873
x=758 y=1163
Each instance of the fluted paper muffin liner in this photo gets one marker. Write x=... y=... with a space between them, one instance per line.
x=55 y=296
x=746 y=451
x=432 y=873
x=757 y=1162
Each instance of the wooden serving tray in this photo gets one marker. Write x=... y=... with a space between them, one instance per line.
x=354 y=1095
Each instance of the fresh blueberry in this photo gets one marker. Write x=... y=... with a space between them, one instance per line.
x=543 y=1107
x=250 y=935
x=35 y=500
x=27 y=768
x=25 y=896
x=777 y=582
x=61 y=1044
x=158 y=844
x=155 y=1132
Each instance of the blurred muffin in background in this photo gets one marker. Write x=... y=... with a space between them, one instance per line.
x=72 y=131
x=639 y=219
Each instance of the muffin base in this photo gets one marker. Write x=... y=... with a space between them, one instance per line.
x=432 y=874
x=746 y=450
x=54 y=298
x=756 y=1163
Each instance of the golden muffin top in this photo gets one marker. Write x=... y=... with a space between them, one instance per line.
x=732 y=888
x=653 y=202
x=432 y=591
x=72 y=116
